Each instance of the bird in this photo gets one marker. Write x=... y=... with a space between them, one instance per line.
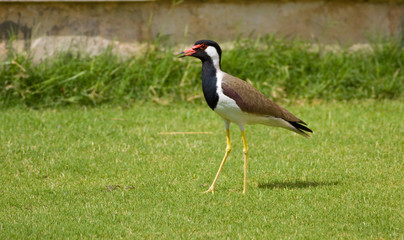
x=237 y=101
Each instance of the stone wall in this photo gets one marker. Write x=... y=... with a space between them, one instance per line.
x=43 y=26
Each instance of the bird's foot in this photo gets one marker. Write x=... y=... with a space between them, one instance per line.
x=211 y=189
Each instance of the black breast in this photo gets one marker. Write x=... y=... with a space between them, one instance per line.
x=209 y=81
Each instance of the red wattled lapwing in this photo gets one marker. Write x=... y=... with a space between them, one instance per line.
x=237 y=101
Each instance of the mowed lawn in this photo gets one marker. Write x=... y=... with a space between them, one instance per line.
x=107 y=172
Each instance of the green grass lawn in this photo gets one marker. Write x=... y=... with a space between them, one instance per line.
x=106 y=172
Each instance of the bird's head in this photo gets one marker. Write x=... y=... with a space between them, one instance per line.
x=204 y=50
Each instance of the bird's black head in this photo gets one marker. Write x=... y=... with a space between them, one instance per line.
x=204 y=50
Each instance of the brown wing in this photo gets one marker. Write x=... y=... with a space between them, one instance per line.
x=250 y=100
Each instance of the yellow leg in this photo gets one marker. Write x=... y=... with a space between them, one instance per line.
x=245 y=151
x=228 y=149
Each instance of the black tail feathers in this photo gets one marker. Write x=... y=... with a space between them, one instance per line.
x=301 y=128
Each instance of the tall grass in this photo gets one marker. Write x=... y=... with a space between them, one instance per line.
x=278 y=68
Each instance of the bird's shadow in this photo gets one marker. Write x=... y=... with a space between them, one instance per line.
x=295 y=184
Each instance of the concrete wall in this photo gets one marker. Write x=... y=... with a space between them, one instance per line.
x=45 y=26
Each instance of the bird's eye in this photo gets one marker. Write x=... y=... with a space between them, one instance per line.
x=203 y=46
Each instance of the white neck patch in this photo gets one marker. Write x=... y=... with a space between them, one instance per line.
x=211 y=51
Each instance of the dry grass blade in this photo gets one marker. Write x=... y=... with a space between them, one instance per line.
x=183 y=133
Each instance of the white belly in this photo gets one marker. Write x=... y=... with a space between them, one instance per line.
x=228 y=109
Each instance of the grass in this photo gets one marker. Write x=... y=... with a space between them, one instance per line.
x=105 y=172
x=280 y=69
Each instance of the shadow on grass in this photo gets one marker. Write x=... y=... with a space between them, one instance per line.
x=295 y=184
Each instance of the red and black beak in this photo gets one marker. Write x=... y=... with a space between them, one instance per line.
x=189 y=52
